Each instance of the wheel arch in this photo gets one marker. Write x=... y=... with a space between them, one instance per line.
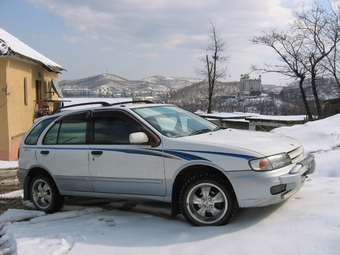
x=187 y=173
x=28 y=180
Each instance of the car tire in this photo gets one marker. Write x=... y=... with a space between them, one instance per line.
x=45 y=195
x=207 y=200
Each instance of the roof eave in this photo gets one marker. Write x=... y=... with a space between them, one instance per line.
x=50 y=68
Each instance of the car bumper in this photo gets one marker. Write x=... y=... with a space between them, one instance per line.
x=254 y=189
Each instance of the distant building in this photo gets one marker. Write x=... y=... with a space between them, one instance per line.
x=253 y=121
x=29 y=88
x=78 y=93
x=250 y=87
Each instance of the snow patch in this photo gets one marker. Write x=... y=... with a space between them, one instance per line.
x=12 y=215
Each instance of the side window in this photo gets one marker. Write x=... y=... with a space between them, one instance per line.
x=72 y=131
x=69 y=131
x=52 y=135
x=113 y=130
x=33 y=136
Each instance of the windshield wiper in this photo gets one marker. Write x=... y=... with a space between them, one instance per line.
x=201 y=131
x=218 y=128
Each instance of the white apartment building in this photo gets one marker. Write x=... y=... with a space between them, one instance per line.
x=250 y=87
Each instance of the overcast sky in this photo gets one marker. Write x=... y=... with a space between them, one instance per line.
x=140 y=38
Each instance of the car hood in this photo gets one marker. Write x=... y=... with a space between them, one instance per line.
x=259 y=142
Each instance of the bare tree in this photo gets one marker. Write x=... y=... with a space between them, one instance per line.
x=312 y=37
x=289 y=47
x=332 y=62
x=317 y=25
x=212 y=70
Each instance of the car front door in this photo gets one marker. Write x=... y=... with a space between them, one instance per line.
x=116 y=166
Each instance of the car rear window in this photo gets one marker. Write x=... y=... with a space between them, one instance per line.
x=33 y=136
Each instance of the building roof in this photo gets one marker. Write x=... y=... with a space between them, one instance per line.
x=10 y=45
x=253 y=117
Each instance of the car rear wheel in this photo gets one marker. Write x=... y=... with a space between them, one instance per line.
x=45 y=195
x=207 y=200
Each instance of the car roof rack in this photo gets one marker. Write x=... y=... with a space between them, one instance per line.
x=81 y=104
x=133 y=102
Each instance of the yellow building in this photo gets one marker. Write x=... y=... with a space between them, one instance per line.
x=29 y=89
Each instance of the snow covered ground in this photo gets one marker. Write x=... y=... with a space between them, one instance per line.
x=308 y=223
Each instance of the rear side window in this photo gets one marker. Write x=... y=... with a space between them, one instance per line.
x=33 y=136
x=71 y=130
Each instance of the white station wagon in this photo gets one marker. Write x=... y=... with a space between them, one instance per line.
x=158 y=152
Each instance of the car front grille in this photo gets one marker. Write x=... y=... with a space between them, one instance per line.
x=296 y=155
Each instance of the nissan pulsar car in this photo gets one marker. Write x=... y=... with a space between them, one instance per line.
x=158 y=152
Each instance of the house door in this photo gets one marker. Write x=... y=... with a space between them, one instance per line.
x=38 y=88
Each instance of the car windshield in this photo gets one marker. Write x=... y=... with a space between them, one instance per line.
x=173 y=121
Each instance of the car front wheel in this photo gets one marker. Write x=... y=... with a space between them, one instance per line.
x=207 y=200
x=45 y=195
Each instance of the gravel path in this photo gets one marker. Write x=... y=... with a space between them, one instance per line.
x=8 y=183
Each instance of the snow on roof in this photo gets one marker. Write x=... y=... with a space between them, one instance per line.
x=10 y=45
x=251 y=116
x=278 y=118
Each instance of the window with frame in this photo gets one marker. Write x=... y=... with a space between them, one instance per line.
x=33 y=136
x=25 y=91
x=113 y=130
x=69 y=131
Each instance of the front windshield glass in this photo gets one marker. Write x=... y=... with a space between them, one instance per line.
x=173 y=121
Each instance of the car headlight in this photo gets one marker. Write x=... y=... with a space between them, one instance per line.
x=270 y=162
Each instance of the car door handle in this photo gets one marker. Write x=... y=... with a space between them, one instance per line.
x=96 y=152
x=44 y=152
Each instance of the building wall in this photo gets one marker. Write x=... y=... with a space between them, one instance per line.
x=3 y=111
x=19 y=105
x=247 y=85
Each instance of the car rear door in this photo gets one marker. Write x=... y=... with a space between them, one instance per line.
x=116 y=166
x=63 y=151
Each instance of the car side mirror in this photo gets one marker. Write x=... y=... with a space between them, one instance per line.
x=138 y=138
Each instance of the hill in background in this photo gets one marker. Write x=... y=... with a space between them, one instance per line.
x=191 y=93
x=114 y=86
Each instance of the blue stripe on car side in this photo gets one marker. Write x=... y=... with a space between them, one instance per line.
x=133 y=151
x=246 y=157
x=186 y=156
x=179 y=154
x=60 y=148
